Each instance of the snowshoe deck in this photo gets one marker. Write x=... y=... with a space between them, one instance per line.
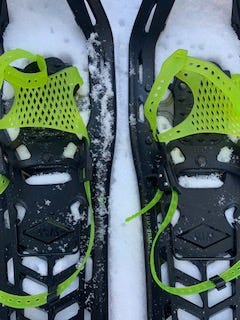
x=52 y=222
x=199 y=232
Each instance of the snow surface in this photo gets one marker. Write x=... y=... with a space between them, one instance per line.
x=200 y=181
x=202 y=27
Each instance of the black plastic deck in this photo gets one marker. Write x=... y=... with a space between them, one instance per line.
x=47 y=225
x=202 y=233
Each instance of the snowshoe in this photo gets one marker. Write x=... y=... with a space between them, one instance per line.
x=55 y=172
x=185 y=131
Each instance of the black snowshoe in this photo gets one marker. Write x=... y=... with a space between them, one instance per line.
x=50 y=231
x=194 y=225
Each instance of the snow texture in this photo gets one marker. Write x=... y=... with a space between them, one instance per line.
x=50 y=178
x=68 y=313
x=65 y=262
x=225 y=155
x=37 y=264
x=163 y=124
x=203 y=181
x=39 y=314
x=70 y=150
x=177 y=156
x=23 y=152
x=20 y=212
x=200 y=26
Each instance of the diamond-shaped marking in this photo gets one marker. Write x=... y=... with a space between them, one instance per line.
x=203 y=235
x=48 y=231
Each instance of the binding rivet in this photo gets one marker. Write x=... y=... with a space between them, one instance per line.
x=148 y=87
x=149 y=140
x=201 y=161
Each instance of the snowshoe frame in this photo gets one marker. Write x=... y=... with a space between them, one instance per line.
x=92 y=295
x=147 y=154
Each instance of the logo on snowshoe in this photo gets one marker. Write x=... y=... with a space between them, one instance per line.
x=204 y=235
x=48 y=231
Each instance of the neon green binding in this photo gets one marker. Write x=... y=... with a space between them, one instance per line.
x=43 y=101
x=216 y=109
x=216 y=106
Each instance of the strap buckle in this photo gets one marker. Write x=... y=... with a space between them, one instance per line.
x=52 y=295
x=164 y=183
x=219 y=282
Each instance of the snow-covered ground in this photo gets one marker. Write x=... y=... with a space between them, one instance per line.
x=200 y=26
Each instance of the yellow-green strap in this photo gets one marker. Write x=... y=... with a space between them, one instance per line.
x=169 y=69
x=216 y=106
x=149 y=206
x=4 y=182
x=16 y=77
x=40 y=100
x=230 y=274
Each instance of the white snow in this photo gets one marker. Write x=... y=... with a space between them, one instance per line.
x=70 y=150
x=88 y=269
x=13 y=316
x=177 y=156
x=23 y=152
x=50 y=178
x=68 y=313
x=20 y=211
x=141 y=113
x=195 y=299
x=37 y=264
x=201 y=181
x=35 y=314
x=13 y=133
x=33 y=287
x=75 y=214
x=183 y=315
x=188 y=268
x=163 y=124
x=229 y=215
x=223 y=314
x=202 y=27
x=225 y=154
x=36 y=26
x=126 y=261
x=10 y=270
x=65 y=262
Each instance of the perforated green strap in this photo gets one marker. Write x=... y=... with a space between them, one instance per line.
x=216 y=106
x=228 y=275
x=4 y=182
x=43 y=101
x=40 y=100
x=12 y=75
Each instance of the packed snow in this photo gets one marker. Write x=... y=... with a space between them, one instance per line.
x=200 y=26
x=201 y=181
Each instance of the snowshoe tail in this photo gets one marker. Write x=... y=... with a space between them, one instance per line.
x=182 y=225
x=54 y=234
